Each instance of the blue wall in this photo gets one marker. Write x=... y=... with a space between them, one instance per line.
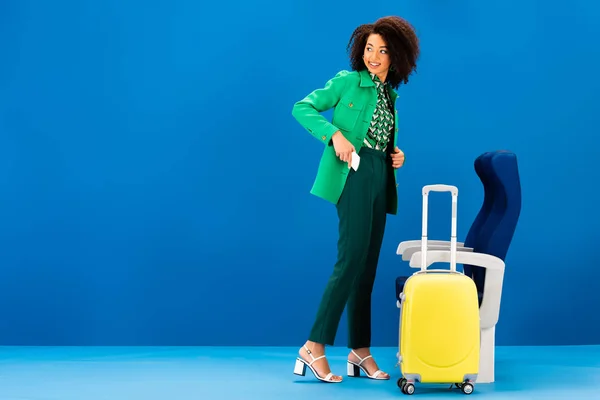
x=154 y=185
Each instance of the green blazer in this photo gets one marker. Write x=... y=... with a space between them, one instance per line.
x=353 y=95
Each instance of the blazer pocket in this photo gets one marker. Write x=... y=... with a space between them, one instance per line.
x=346 y=114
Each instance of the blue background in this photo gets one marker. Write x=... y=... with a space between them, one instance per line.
x=154 y=187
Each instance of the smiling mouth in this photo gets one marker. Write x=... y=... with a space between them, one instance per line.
x=375 y=65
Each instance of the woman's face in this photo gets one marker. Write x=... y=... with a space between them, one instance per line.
x=376 y=56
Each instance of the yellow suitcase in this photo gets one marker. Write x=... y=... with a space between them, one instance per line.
x=439 y=319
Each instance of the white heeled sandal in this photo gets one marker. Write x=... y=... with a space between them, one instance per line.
x=354 y=369
x=301 y=364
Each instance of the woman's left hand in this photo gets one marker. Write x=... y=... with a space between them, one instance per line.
x=397 y=158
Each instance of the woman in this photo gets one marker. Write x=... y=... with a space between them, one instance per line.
x=382 y=56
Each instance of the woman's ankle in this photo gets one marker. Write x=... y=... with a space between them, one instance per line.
x=362 y=351
x=315 y=347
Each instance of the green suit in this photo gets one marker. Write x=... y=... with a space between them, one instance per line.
x=363 y=198
x=354 y=97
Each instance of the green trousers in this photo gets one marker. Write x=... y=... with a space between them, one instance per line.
x=362 y=218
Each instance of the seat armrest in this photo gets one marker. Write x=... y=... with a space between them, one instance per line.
x=489 y=312
x=408 y=252
x=417 y=243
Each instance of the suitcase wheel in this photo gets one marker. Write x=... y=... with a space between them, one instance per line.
x=409 y=389
x=405 y=387
x=467 y=388
x=401 y=383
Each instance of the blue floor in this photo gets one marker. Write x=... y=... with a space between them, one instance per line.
x=200 y=373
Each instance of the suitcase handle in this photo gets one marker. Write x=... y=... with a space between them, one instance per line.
x=440 y=188
x=454 y=192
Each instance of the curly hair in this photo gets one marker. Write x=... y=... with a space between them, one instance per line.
x=402 y=43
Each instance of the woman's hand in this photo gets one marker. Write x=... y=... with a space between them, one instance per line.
x=343 y=148
x=397 y=158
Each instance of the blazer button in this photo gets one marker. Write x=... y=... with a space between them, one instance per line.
x=324 y=137
x=350 y=105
